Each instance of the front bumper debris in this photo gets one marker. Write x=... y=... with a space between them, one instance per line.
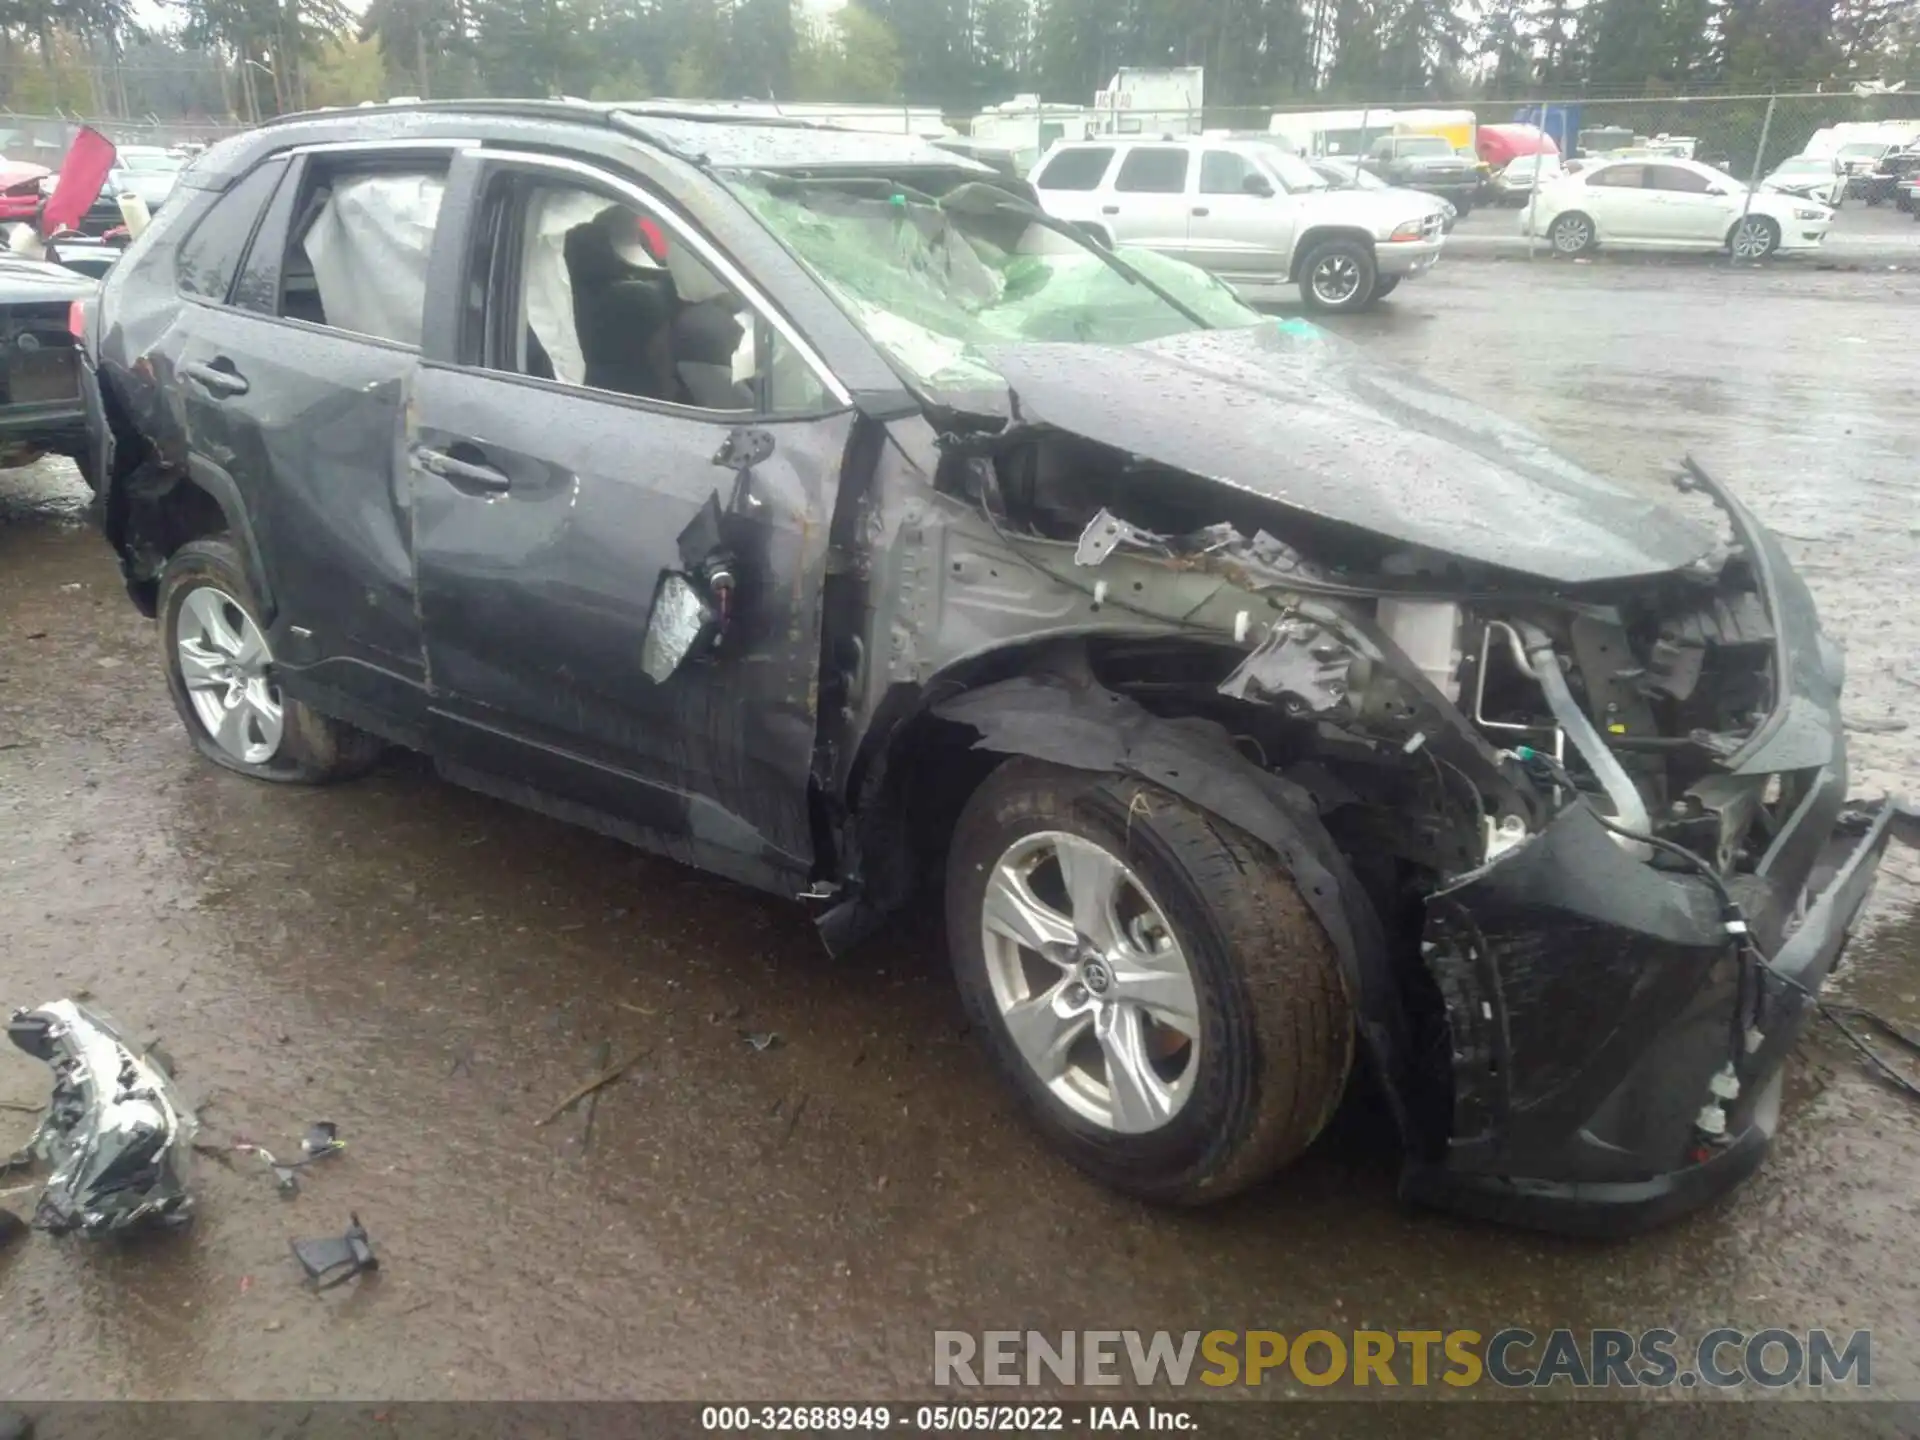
x=116 y=1135
x=1593 y=1002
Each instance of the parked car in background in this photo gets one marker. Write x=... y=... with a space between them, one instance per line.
x=1247 y=211
x=1517 y=180
x=148 y=171
x=20 y=191
x=1426 y=163
x=1811 y=177
x=1344 y=174
x=1670 y=205
x=1889 y=181
x=41 y=405
x=1858 y=161
x=809 y=507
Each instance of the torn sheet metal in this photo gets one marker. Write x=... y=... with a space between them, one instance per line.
x=116 y=1134
x=1300 y=664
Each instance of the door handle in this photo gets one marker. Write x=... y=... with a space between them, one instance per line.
x=1201 y=212
x=216 y=379
x=463 y=475
x=1109 y=209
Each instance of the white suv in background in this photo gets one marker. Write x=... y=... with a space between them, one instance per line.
x=1251 y=212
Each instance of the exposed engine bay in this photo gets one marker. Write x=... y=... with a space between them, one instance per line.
x=1450 y=708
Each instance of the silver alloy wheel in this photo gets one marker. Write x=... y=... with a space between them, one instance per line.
x=1571 y=235
x=1335 y=279
x=225 y=663
x=1091 y=982
x=1752 y=239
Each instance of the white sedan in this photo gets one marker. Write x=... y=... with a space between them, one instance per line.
x=1670 y=204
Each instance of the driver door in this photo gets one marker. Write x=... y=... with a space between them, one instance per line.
x=616 y=403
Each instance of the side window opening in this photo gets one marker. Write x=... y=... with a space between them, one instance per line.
x=1224 y=172
x=605 y=296
x=207 y=261
x=1077 y=170
x=1153 y=170
x=357 y=252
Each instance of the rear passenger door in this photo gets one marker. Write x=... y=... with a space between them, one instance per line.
x=294 y=384
x=609 y=384
x=1147 y=203
x=1070 y=185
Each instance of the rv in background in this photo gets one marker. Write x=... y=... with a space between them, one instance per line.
x=1152 y=102
x=1026 y=127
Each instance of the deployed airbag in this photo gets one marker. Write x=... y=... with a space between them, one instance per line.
x=369 y=247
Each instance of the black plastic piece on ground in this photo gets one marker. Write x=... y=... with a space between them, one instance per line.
x=336 y=1260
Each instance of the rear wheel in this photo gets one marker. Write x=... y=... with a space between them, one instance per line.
x=1572 y=234
x=1338 y=275
x=1148 y=980
x=220 y=671
x=1385 y=286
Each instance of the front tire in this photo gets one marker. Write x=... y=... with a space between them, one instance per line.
x=1338 y=276
x=220 y=672
x=1573 y=234
x=1754 y=238
x=1147 y=979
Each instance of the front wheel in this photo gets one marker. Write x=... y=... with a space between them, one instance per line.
x=220 y=671
x=1754 y=238
x=1147 y=979
x=1338 y=275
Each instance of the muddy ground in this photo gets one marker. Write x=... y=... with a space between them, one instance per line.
x=433 y=971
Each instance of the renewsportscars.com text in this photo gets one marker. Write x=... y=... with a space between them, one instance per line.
x=1512 y=1358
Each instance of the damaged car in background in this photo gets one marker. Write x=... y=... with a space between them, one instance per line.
x=811 y=507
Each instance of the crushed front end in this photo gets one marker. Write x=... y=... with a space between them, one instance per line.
x=1603 y=821
x=1622 y=980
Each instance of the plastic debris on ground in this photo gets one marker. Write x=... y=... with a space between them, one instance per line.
x=336 y=1259
x=117 y=1137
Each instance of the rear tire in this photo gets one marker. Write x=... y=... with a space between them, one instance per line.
x=1386 y=285
x=1266 y=1061
x=220 y=674
x=1338 y=276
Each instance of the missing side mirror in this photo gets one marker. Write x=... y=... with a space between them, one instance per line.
x=680 y=620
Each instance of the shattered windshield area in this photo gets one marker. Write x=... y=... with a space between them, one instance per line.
x=936 y=282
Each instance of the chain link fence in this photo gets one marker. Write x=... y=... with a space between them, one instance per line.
x=45 y=139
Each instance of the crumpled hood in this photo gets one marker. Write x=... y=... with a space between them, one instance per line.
x=1291 y=413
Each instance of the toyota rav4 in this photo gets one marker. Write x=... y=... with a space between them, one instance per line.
x=814 y=508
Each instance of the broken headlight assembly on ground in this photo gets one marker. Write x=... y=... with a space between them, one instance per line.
x=116 y=1137
x=1601 y=822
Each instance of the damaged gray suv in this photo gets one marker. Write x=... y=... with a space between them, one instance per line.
x=812 y=508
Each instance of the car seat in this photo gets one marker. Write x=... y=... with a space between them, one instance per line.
x=622 y=312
